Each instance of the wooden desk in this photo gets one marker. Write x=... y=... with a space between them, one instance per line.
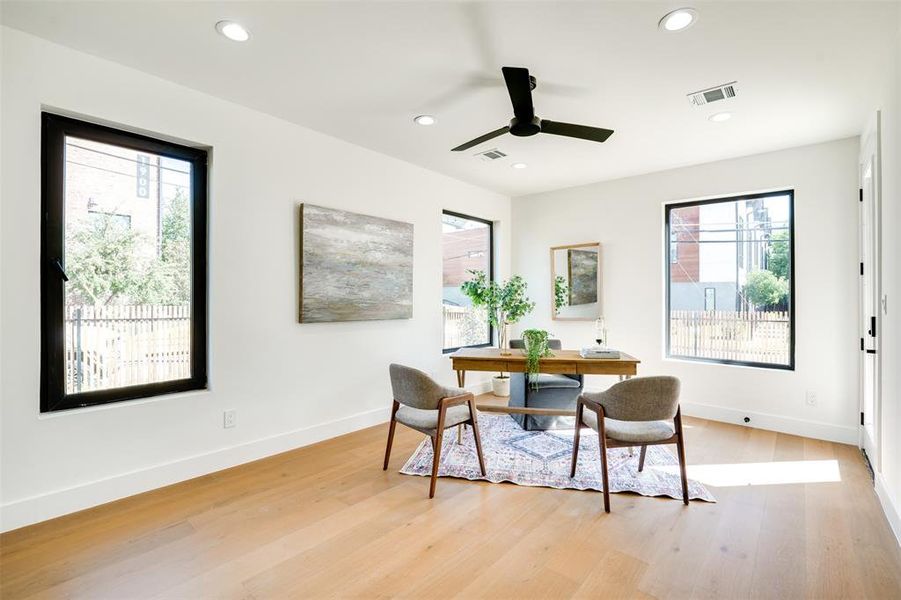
x=514 y=361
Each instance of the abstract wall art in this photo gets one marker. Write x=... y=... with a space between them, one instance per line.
x=583 y=276
x=354 y=267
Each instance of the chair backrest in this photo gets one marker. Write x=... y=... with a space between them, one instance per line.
x=521 y=344
x=414 y=388
x=642 y=399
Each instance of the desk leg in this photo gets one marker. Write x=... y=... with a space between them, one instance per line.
x=461 y=381
x=624 y=377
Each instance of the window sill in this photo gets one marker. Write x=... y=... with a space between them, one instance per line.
x=125 y=403
x=452 y=350
x=728 y=363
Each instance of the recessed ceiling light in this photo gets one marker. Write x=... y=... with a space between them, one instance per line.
x=679 y=19
x=233 y=31
x=720 y=117
x=519 y=165
x=425 y=120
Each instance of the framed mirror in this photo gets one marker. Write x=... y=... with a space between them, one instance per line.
x=576 y=282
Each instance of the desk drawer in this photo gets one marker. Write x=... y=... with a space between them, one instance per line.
x=559 y=367
x=602 y=367
x=464 y=364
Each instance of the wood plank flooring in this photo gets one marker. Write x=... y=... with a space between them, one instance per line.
x=326 y=521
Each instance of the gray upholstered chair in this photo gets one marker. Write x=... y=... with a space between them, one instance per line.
x=636 y=412
x=550 y=390
x=423 y=405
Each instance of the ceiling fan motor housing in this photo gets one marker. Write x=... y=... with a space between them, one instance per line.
x=525 y=128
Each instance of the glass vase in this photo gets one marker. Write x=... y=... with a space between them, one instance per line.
x=502 y=340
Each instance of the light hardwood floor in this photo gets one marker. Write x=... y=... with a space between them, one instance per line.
x=327 y=521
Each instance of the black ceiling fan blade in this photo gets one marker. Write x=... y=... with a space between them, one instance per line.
x=481 y=139
x=520 y=88
x=584 y=132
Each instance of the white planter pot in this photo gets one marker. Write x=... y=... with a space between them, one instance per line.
x=500 y=386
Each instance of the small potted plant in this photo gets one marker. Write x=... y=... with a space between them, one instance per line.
x=506 y=304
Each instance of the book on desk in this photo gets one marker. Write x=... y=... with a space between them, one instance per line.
x=599 y=352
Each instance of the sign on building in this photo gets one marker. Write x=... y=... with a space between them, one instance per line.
x=143 y=176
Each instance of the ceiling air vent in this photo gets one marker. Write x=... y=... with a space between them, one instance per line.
x=490 y=155
x=714 y=94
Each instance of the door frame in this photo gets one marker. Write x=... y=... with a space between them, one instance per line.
x=871 y=142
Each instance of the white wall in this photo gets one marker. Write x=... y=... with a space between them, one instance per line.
x=888 y=479
x=291 y=384
x=626 y=216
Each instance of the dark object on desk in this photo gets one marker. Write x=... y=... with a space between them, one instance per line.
x=553 y=391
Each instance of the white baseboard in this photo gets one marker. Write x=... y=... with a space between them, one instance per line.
x=53 y=504
x=35 y=509
x=801 y=427
x=889 y=507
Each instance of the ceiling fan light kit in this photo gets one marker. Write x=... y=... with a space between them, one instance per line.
x=525 y=122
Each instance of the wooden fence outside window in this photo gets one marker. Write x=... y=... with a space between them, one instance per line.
x=762 y=337
x=117 y=346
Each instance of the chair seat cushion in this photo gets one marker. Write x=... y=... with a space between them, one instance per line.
x=631 y=431
x=419 y=418
x=548 y=380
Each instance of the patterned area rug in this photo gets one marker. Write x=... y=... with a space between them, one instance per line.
x=542 y=458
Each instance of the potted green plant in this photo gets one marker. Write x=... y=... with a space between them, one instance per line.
x=536 y=343
x=506 y=304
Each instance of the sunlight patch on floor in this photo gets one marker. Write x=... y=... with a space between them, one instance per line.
x=764 y=473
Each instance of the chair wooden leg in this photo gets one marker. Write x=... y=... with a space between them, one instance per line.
x=390 y=434
x=576 y=436
x=602 y=444
x=680 y=447
x=436 y=458
x=475 y=434
x=644 y=450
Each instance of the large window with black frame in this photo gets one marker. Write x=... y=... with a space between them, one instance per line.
x=730 y=280
x=123 y=271
x=467 y=245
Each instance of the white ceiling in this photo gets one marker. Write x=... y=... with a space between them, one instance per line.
x=361 y=71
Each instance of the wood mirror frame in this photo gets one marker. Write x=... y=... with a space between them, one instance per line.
x=554 y=315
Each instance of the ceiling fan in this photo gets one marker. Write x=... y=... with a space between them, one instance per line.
x=524 y=123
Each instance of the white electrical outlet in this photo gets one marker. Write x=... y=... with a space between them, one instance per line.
x=229 y=418
x=811 y=398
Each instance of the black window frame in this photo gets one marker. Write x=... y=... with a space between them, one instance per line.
x=791 y=279
x=490 y=275
x=54 y=130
